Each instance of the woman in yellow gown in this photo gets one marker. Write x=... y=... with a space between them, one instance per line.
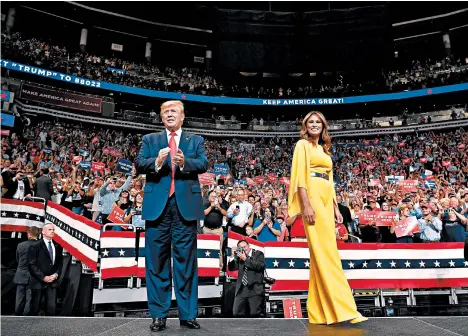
x=312 y=193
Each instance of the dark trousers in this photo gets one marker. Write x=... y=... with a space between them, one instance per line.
x=50 y=296
x=171 y=229
x=23 y=300
x=251 y=297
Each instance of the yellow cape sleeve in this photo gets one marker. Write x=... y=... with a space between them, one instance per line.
x=300 y=175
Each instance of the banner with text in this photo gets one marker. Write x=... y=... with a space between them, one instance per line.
x=58 y=98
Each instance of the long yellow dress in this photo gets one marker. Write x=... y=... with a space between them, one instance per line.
x=330 y=299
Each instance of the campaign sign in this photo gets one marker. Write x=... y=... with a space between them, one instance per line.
x=220 y=169
x=285 y=180
x=124 y=166
x=84 y=165
x=374 y=182
x=206 y=178
x=292 y=308
x=259 y=179
x=406 y=227
x=83 y=152
x=367 y=217
x=116 y=215
x=47 y=150
x=98 y=166
x=408 y=185
x=77 y=159
x=386 y=218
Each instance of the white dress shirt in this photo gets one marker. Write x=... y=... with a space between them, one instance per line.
x=19 y=194
x=46 y=241
x=177 y=141
x=245 y=210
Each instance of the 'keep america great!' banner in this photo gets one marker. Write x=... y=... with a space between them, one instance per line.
x=225 y=100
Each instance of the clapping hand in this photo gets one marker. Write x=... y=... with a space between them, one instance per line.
x=179 y=158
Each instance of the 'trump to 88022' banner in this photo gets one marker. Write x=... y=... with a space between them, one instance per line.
x=230 y=101
x=58 y=98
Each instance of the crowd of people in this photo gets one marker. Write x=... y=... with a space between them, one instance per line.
x=365 y=174
x=37 y=52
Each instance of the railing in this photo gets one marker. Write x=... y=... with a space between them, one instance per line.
x=239 y=133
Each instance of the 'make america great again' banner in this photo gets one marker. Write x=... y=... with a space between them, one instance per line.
x=64 y=99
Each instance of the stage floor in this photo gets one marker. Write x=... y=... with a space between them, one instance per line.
x=70 y=326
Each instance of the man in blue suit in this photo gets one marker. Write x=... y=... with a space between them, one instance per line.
x=172 y=205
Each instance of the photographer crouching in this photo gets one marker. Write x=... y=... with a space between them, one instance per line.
x=250 y=288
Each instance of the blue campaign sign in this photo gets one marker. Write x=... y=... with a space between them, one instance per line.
x=231 y=101
x=124 y=166
x=47 y=150
x=84 y=165
x=220 y=169
x=7 y=120
x=6 y=95
x=84 y=153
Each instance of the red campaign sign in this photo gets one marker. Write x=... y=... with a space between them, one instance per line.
x=285 y=180
x=77 y=159
x=401 y=144
x=98 y=166
x=117 y=215
x=446 y=163
x=406 y=160
x=461 y=146
x=386 y=218
x=95 y=139
x=250 y=182
x=408 y=185
x=356 y=171
x=259 y=179
x=292 y=308
x=106 y=150
x=367 y=217
x=5 y=132
x=271 y=178
x=370 y=167
x=390 y=159
x=406 y=227
x=423 y=160
x=374 y=182
x=252 y=162
x=368 y=154
x=206 y=178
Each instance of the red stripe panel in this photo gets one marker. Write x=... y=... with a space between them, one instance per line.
x=14 y=228
x=36 y=205
x=303 y=285
x=378 y=246
x=118 y=234
x=73 y=215
x=76 y=253
x=203 y=272
x=233 y=274
x=286 y=244
x=237 y=236
x=118 y=272
x=208 y=272
x=207 y=237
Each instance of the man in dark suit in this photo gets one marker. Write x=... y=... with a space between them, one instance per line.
x=21 y=279
x=44 y=187
x=249 y=286
x=18 y=187
x=172 y=160
x=345 y=212
x=45 y=266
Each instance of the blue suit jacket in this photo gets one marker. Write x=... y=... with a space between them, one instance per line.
x=187 y=188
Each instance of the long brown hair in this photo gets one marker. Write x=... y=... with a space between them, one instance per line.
x=324 y=138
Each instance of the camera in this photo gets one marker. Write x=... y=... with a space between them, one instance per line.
x=239 y=250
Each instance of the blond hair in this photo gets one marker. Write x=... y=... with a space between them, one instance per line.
x=169 y=103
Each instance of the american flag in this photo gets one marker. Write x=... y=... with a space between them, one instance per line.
x=77 y=234
x=18 y=216
x=371 y=265
x=208 y=247
x=118 y=254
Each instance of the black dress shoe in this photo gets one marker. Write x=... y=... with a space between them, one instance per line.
x=159 y=324
x=191 y=324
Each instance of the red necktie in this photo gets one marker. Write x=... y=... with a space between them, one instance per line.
x=173 y=147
